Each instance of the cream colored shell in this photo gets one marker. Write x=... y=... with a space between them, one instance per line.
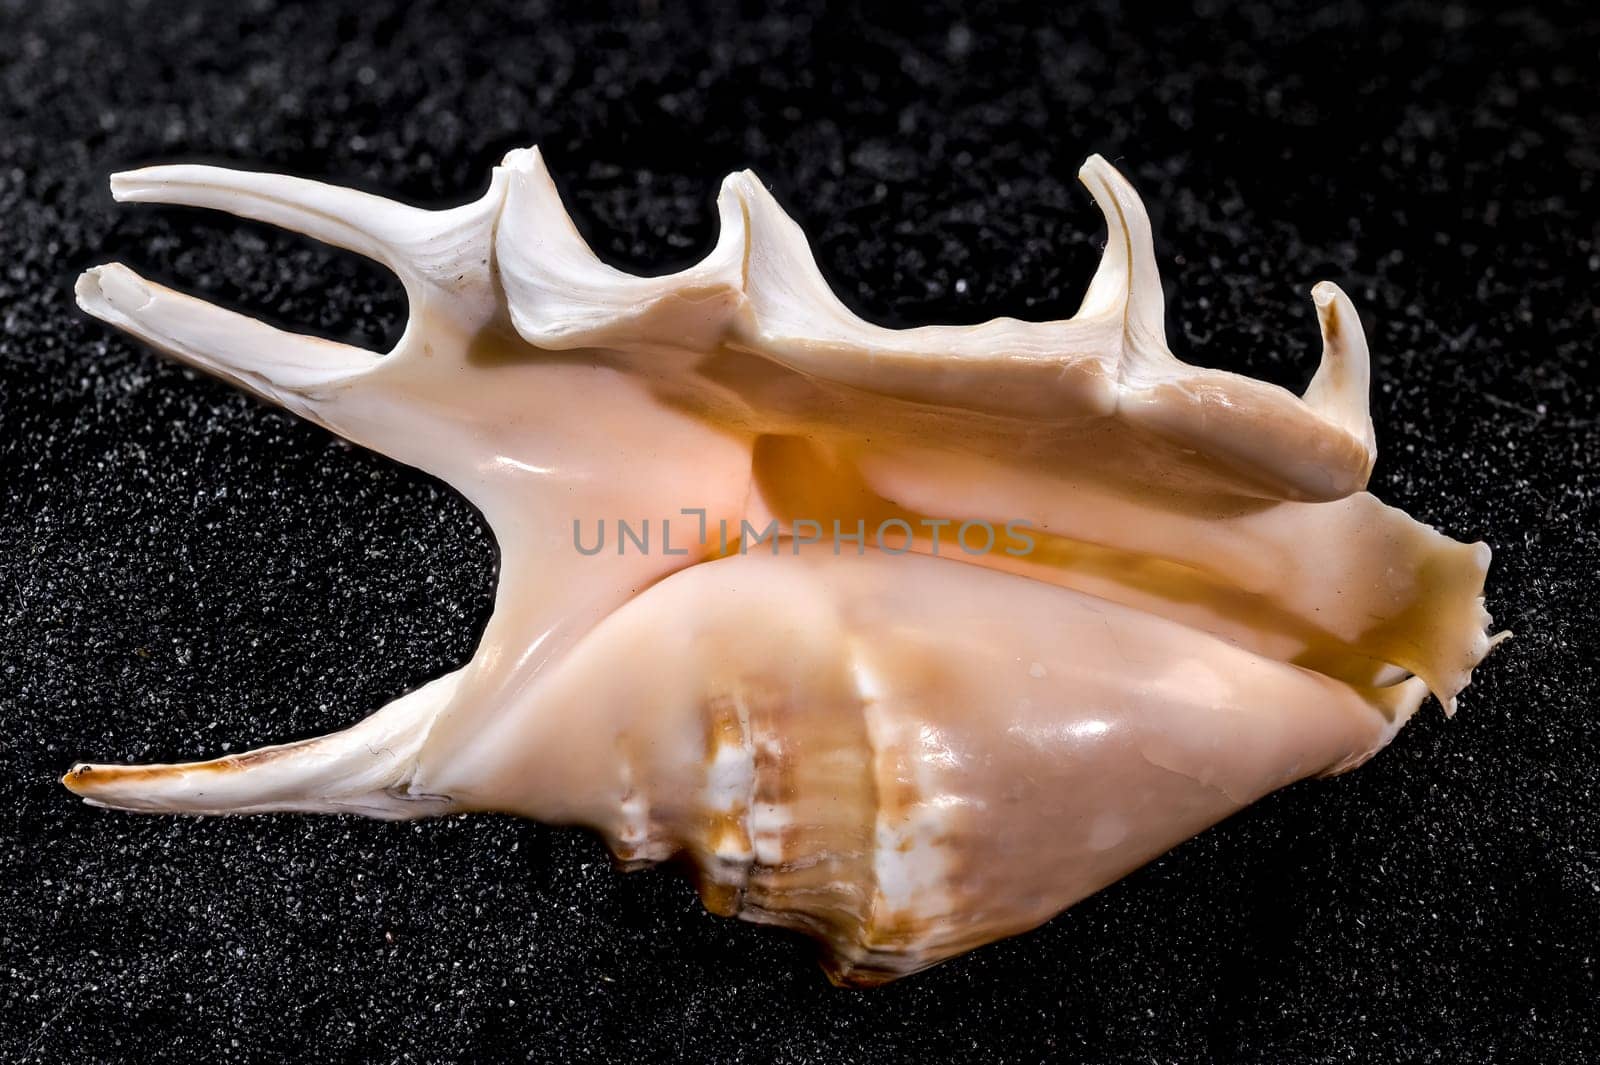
x=904 y=747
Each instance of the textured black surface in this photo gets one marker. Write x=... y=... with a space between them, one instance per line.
x=182 y=569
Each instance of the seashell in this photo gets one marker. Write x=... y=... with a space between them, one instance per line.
x=907 y=639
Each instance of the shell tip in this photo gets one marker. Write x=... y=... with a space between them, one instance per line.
x=525 y=160
x=126 y=184
x=84 y=780
x=111 y=289
x=1094 y=163
x=68 y=778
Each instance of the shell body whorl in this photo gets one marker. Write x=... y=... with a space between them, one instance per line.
x=906 y=763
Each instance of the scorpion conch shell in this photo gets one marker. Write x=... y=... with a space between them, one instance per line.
x=1161 y=591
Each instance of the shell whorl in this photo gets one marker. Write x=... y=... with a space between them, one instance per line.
x=900 y=793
